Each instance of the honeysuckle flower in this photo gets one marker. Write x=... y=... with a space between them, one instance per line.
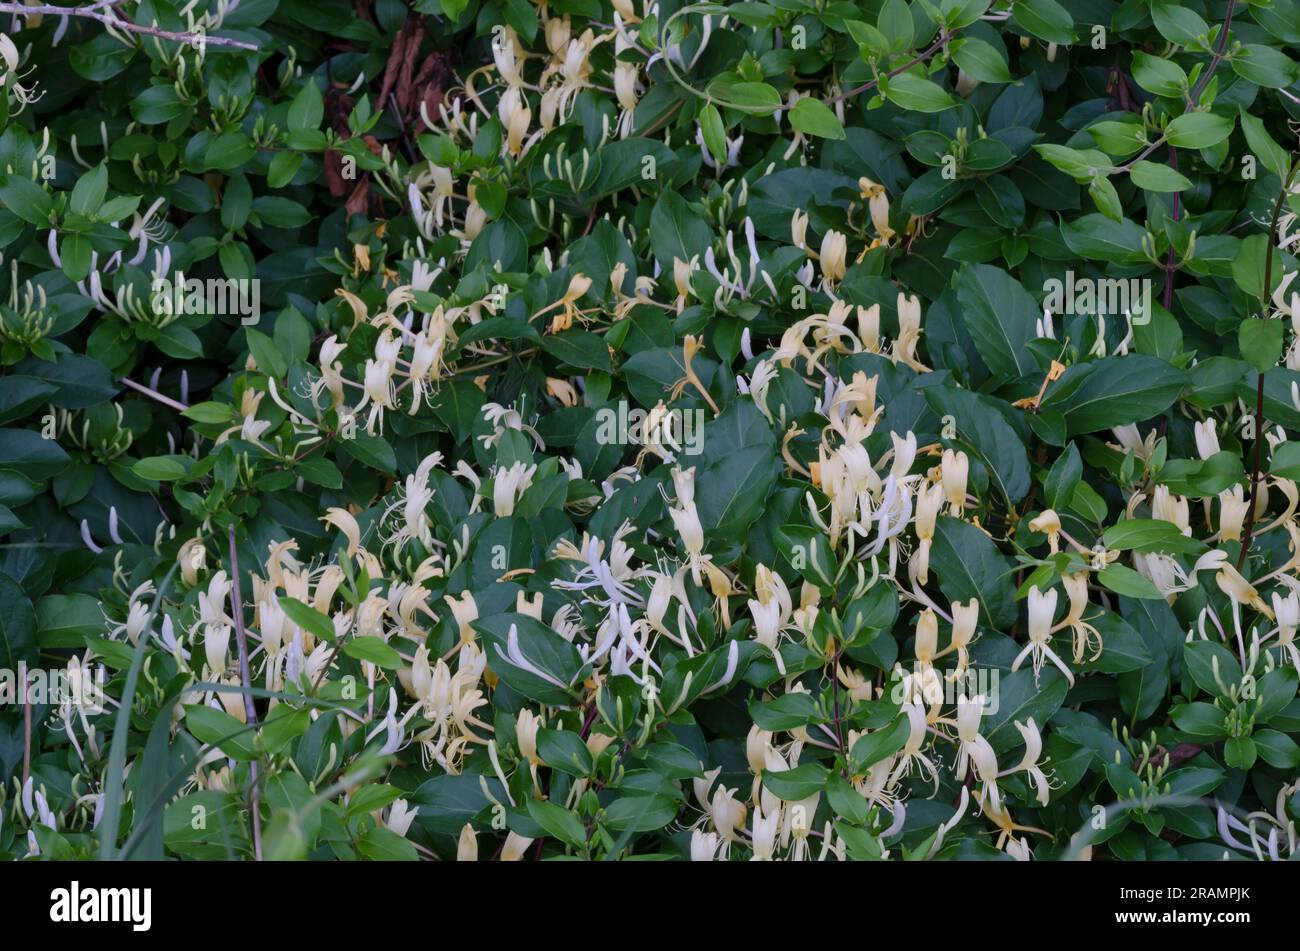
x=1287 y=612
x=687 y=522
x=526 y=726
x=216 y=646
x=834 y=250
x=400 y=816
x=190 y=558
x=1232 y=513
x=868 y=319
x=799 y=229
x=966 y=84
x=1048 y=523
x=727 y=814
x=508 y=485
x=579 y=284
x=909 y=332
x=467 y=845
x=1171 y=508
x=965 y=619
x=704 y=845
x=212 y=603
x=515 y=115
x=975 y=749
x=771 y=611
x=927 y=637
x=514 y=849
x=913 y=753
x=1029 y=763
x=955 y=469
x=1042 y=609
x=763 y=841
x=1131 y=440
x=904 y=454
x=627 y=92
x=929 y=500
x=758 y=743
x=858 y=686
x=1207 y=440
x=1239 y=592
x=506 y=53
x=878 y=205
x=1085 y=634
x=346 y=523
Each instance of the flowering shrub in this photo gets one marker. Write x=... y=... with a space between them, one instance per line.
x=802 y=429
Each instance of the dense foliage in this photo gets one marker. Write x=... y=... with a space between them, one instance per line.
x=796 y=429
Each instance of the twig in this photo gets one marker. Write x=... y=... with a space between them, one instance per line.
x=92 y=12
x=1216 y=56
x=250 y=711
x=944 y=37
x=155 y=395
x=1265 y=295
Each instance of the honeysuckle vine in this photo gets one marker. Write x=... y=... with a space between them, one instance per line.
x=771 y=431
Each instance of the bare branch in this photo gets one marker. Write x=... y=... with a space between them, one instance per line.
x=95 y=11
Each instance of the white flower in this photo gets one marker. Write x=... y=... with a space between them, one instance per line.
x=508 y=484
x=1207 y=440
x=1042 y=608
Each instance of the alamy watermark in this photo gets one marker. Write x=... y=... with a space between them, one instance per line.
x=82 y=688
x=78 y=903
x=681 y=430
x=927 y=687
x=1106 y=295
x=215 y=295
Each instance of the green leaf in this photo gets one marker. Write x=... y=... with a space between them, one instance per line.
x=981 y=60
x=89 y=192
x=1199 y=719
x=795 y=785
x=26 y=199
x=982 y=429
x=220 y=729
x=1260 y=341
x=814 y=117
x=879 y=744
x=162 y=468
x=373 y=650
x=1159 y=75
x=17 y=626
x=916 y=94
x=715 y=135
x=1115 y=391
x=1045 y=19
x=307 y=618
x=970 y=566
x=307 y=108
x=558 y=822
x=1158 y=178
x=1001 y=317
x=1198 y=130
x=1271 y=155
x=565 y=751
x=1127 y=582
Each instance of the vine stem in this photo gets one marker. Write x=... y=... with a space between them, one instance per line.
x=1215 y=56
x=921 y=57
x=93 y=11
x=1265 y=296
x=250 y=711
